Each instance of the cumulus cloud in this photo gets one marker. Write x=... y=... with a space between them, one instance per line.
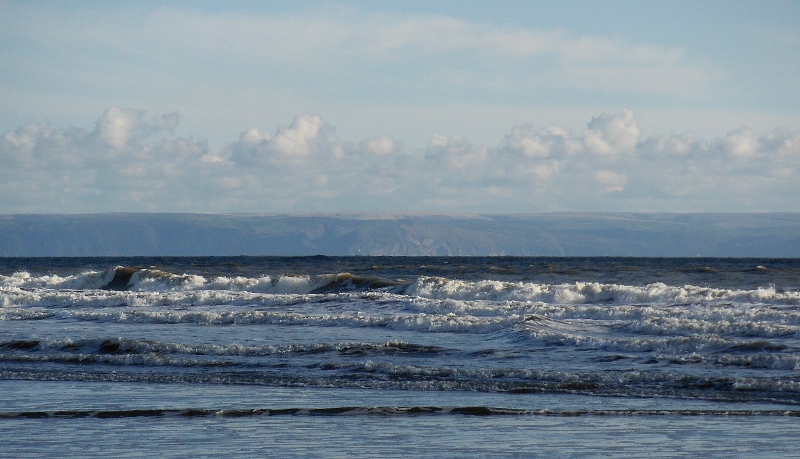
x=741 y=144
x=116 y=126
x=119 y=161
x=307 y=136
x=119 y=126
x=40 y=146
x=671 y=146
x=133 y=162
x=612 y=134
x=382 y=146
x=455 y=153
x=301 y=139
x=789 y=145
x=529 y=142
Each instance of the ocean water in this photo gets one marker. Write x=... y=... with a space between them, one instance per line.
x=397 y=357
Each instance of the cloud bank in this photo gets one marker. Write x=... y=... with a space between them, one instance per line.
x=132 y=161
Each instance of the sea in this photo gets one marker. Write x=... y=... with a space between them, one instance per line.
x=441 y=357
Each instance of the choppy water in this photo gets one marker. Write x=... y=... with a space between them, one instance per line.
x=405 y=355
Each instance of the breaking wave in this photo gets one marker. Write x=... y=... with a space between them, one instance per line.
x=487 y=332
x=592 y=292
x=154 y=280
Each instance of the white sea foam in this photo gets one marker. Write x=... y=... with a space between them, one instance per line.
x=82 y=281
x=148 y=281
x=416 y=322
x=153 y=280
x=729 y=326
x=433 y=304
x=591 y=292
x=93 y=299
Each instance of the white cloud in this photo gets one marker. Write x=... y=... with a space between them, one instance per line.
x=345 y=62
x=554 y=141
x=530 y=173
x=54 y=170
x=612 y=134
x=308 y=135
x=783 y=142
x=37 y=145
x=741 y=144
x=790 y=148
x=303 y=166
x=671 y=146
x=119 y=127
x=298 y=140
x=382 y=146
x=611 y=181
x=456 y=153
x=116 y=126
x=23 y=140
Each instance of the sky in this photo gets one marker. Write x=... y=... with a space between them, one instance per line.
x=399 y=106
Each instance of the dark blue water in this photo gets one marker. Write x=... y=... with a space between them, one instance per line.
x=324 y=356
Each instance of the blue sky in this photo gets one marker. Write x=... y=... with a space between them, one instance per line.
x=309 y=106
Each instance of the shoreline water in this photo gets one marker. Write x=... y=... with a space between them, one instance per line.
x=348 y=434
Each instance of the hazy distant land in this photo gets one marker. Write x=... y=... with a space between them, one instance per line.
x=568 y=234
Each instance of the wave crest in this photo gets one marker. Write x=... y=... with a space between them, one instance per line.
x=591 y=292
x=124 y=278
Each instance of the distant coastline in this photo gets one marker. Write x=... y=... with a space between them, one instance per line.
x=762 y=235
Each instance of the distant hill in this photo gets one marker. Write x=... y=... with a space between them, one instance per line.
x=569 y=234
